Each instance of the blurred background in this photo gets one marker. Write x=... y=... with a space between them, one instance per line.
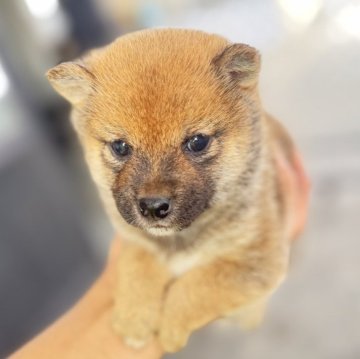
x=54 y=235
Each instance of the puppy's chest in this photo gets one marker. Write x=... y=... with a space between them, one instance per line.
x=184 y=261
x=203 y=252
x=211 y=245
x=181 y=263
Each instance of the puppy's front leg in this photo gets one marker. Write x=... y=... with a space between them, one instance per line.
x=139 y=292
x=209 y=292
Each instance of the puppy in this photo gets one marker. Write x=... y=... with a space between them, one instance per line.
x=183 y=154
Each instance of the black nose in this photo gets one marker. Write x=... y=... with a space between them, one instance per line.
x=157 y=208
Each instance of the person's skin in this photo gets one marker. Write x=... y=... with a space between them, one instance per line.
x=85 y=331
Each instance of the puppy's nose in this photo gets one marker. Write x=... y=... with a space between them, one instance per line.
x=157 y=208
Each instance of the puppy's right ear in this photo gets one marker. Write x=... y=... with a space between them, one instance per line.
x=72 y=80
x=238 y=64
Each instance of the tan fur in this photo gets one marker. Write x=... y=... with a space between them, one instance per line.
x=154 y=88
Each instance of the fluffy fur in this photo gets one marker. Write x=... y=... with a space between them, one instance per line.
x=223 y=249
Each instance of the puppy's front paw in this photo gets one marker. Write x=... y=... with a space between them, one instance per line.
x=174 y=331
x=173 y=339
x=134 y=343
x=176 y=319
x=136 y=331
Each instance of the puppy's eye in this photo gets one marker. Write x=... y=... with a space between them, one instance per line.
x=120 y=148
x=197 y=143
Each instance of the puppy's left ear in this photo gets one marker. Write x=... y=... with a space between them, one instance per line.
x=72 y=80
x=238 y=64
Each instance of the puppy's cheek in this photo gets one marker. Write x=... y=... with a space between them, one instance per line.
x=125 y=206
x=123 y=195
x=195 y=201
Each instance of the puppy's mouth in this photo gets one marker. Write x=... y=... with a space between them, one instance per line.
x=160 y=231
x=160 y=228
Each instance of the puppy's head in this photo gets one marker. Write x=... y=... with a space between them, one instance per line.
x=167 y=119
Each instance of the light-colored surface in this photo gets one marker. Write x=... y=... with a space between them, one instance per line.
x=311 y=81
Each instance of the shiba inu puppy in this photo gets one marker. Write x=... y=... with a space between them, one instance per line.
x=183 y=154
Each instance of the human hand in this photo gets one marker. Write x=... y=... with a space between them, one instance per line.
x=295 y=185
x=85 y=331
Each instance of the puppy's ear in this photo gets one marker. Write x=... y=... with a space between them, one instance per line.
x=72 y=80
x=238 y=64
